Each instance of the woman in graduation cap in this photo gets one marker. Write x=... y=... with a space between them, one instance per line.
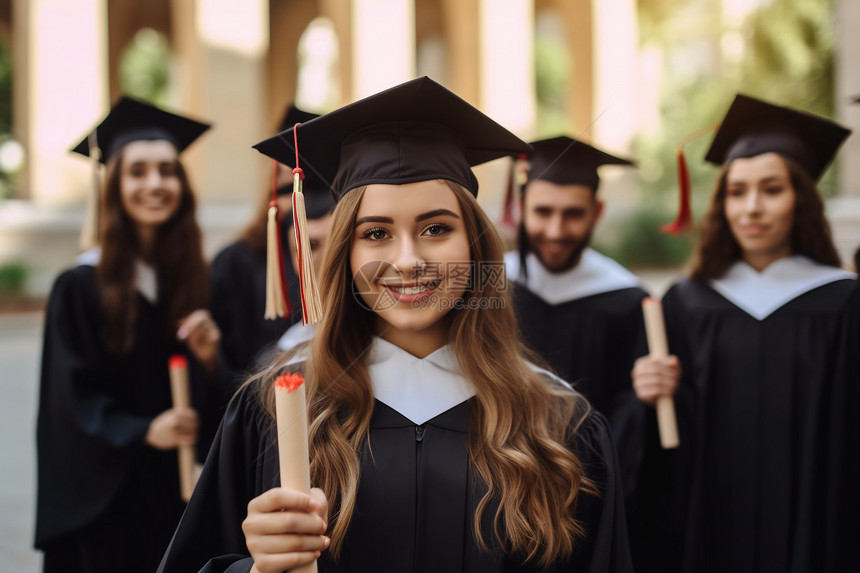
x=239 y=270
x=108 y=477
x=759 y=337
x=434 y=444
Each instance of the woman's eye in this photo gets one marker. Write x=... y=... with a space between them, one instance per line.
x=773 y=190
x=168 y=169
x=374 y=234
x=735 y=192
x=437 y=229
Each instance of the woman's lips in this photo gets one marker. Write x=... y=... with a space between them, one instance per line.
x=413 y=291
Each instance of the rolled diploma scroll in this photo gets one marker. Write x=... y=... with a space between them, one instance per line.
x=291 y=411
x=182 y=399
x=658 y=347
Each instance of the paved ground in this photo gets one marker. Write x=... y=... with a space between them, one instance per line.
x=20 y=348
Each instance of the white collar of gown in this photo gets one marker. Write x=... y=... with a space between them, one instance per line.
x=761 y=293
x=418 y=388
x=595 y=274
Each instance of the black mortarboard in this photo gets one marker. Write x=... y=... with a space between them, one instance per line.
x=294 y=115
x=132 y=120
x=412 y=132
x=567 y=161
x=752 y=127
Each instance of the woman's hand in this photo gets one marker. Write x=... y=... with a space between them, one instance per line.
x=285 y=529
x=202 y=335
x=655 y=377
x=173 y=428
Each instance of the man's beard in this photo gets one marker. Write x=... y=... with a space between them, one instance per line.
x=570 y=262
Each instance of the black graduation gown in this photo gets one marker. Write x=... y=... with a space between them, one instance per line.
x=238 y=306
x=592 y=342
x=415 y=503
x=106 y=501
x=760 y=482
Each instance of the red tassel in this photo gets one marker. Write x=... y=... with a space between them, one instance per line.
x=516 y=179
x=684 y=221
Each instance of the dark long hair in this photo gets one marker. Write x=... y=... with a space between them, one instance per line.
x=183 y=276
x=718 y=248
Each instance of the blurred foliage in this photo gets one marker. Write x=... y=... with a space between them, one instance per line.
x=13 y=277
x=634 y=241
x=7 y=180
x=706 y=51
x=781 y=51
x=5 y=88
x=552 y=62
x=144 y=67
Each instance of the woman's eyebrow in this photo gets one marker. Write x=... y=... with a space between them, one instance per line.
x=435 y=213
x=374 y=219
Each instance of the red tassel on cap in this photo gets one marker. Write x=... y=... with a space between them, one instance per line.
x=516 y=179
x=683 y=223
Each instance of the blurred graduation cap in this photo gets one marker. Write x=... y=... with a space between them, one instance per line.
x=416 y=131
x=753 y=127
x=412 y=132
x=127 y=121
x=567 y=161
x=133 y=120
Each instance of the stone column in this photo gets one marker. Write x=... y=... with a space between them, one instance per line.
x=65 y=90
x=507 y=84
x=844 y=209
x=383 y=45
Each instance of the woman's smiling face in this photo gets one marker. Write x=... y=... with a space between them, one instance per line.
x=410 y=255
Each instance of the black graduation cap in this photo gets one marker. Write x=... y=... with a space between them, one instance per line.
x=133 y=120
x=567 y=161
x=752 y=127
x=294 y=115
x=415 y=131
x=318 y=202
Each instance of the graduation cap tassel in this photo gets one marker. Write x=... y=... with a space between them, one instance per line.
x=311 y=305
x=90 y=232
x=277 y=301
x=684 y=220
x=516 y=180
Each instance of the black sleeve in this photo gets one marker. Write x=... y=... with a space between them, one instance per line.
x=606 y=548
x=658 y=518
x=86 y=442
x=233 y=309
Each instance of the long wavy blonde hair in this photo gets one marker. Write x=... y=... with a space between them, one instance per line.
x=520 y=428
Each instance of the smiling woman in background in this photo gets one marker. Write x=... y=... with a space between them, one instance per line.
x=108 y=489
x=761 y=336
